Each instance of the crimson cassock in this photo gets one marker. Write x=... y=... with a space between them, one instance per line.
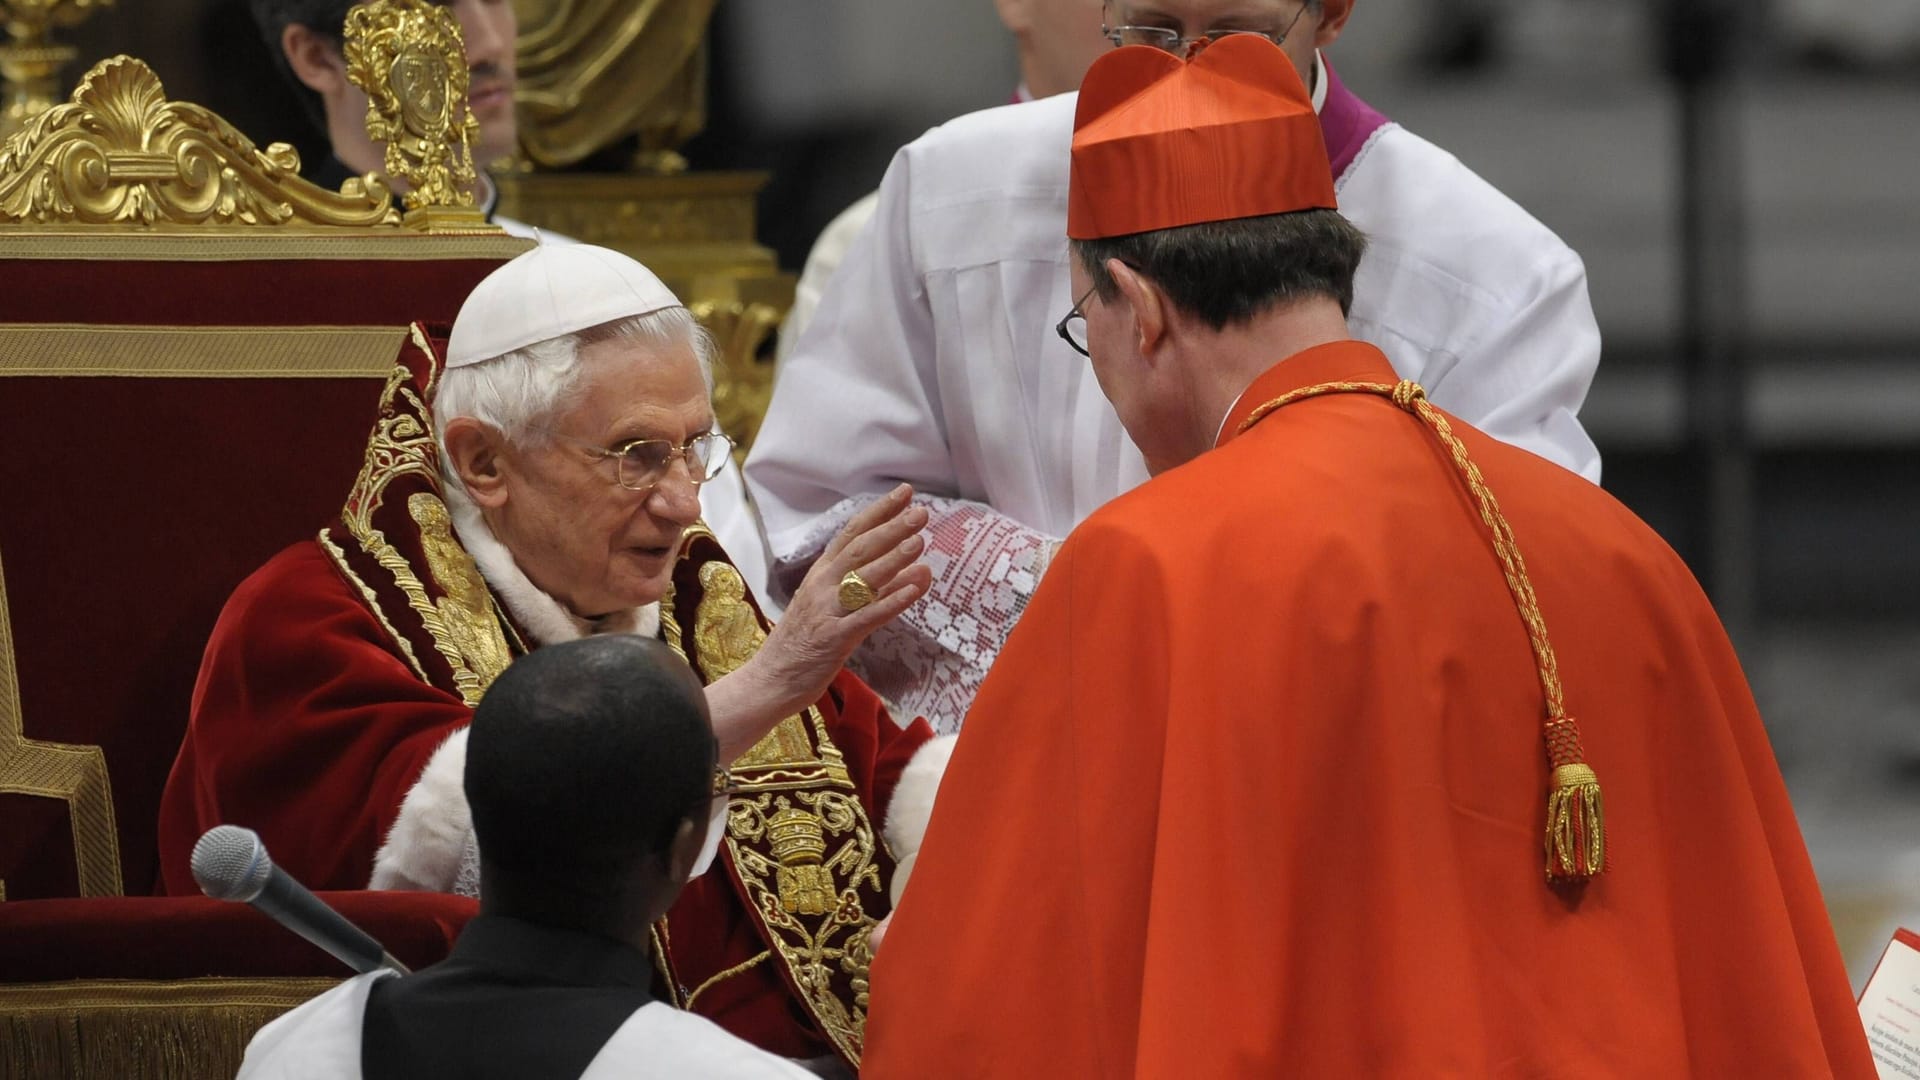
x=1258 y=788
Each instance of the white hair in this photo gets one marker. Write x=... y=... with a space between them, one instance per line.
x=518 y=392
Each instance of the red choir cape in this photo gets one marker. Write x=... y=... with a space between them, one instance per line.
x=1257 y=788
x=336 y=670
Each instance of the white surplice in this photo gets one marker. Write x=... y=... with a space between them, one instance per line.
x=321 y=1040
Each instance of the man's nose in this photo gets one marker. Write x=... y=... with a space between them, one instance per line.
x=482 y=29
x=676 y=497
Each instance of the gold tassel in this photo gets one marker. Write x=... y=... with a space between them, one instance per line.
x=1576 y=826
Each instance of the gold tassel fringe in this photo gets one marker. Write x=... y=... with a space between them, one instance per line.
x=194 y=1029
x=1576 y=825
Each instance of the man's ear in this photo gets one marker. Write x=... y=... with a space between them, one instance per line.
x=1333 y=19
x=1016 y=15
x=475 y=451
x=684 y=851
x=1147 y=301
x=315 y=59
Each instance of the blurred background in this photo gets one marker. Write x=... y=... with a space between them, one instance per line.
x=1741 y=177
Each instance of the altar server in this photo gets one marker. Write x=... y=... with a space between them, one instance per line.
x=589 y=770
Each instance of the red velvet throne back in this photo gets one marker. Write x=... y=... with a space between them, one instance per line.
x=173 y=410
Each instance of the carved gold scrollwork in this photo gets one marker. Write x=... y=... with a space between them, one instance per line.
x=121 y=153
x=75 y=774
x=408 y=56
x=743 y=383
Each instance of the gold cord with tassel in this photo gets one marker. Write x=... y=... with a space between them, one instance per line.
x=1576 y=835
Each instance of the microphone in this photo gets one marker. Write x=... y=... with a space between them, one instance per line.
x=230 y=863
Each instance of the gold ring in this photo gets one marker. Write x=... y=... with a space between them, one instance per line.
x=855 y=593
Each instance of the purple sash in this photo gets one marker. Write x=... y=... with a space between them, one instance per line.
x=1346 y=123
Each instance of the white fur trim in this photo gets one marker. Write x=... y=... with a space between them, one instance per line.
x=542 y=615
x=912 y=806
x=423 y=849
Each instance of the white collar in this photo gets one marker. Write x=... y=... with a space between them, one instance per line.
x=543 y=616
x=1222 y=429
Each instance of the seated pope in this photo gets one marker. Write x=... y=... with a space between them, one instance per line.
x=541 y=484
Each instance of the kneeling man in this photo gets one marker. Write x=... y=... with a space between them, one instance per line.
x=1262 y=784
x=589 y=771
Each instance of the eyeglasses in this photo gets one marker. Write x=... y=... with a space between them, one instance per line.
x=642 y=462
x=1169 y=40
x=1072 y=327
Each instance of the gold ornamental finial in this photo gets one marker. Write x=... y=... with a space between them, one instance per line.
x=408 y=56
x=30 y=64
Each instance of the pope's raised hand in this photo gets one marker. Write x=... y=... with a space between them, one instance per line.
x=869 y=574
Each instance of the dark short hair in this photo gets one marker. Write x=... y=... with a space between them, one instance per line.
x=584 y=758
x=1225 y=272
x=328 y=18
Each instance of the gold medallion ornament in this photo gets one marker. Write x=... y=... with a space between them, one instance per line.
x=408 y=56
x=121 y=153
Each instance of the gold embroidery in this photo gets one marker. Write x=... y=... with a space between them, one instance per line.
x=373 y=603
x=799 y=843
x=738 y=969
x=467 y=609
x=799 y=839
x=811 y=943
x=75 y=774
x=662 y=951
x=198 y=352
x=727 y=634
x=402 y=445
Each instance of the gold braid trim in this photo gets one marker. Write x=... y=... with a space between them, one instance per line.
x=723 y=976
x=1576 y=843
x=339 y=558
x=112 y=1027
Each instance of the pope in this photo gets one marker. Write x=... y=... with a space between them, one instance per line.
x=542 y=485
x=1355 y=742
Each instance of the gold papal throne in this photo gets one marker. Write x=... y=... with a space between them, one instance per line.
x=192 y=341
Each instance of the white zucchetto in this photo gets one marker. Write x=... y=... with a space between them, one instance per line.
x=551 y=291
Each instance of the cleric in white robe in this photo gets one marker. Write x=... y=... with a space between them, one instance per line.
x=933 y=357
